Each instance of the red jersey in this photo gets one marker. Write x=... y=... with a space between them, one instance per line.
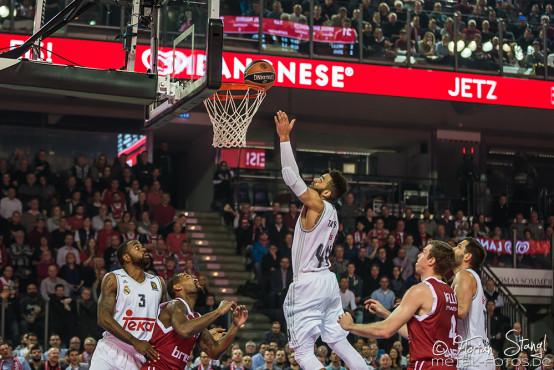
x=432 y=335
x=173 y=349
x=158 y=260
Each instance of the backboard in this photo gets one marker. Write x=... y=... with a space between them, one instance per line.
x=189 y=60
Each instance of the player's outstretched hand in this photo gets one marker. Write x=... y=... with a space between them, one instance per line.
x=217 y=333
x=345 y=320
x=146 y=349
x=240 y=315
x=225 y=306
x=376 y=308
x=282 y=124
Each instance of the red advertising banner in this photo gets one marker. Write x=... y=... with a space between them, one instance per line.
x=522 y=246
x=313 y=74
x=249 y=158
x=250 y=25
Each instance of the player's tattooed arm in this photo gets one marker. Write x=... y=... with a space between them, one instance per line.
x=215 y=348
x=106 y=306
x=185 y=327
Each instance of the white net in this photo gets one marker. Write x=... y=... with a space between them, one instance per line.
x=231 y=111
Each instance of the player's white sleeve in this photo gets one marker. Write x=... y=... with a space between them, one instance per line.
x=287 y=158
x=291 y=174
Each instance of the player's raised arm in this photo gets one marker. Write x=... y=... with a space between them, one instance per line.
x=412 y=301
x=185 y=327
x=106 y=306
x=376 y=308
x=215 y=348
x=291 y=174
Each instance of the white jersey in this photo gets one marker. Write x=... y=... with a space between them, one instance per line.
x=311 y=248
x=472 y=330
x=136 y=307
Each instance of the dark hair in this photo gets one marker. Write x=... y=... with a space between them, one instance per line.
x=59 y=285
x=175 y=279
x=491 y=300
x=35 y=347
x=338 y=185
x=478 y=253
x=69 y=351
x=269 y=350
x=443 y=255
x=122 y=250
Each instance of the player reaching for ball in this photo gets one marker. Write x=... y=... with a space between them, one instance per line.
x=429 y=309
x=474 y=351
x=313 y=302
x=179 y=328
x=127 y=309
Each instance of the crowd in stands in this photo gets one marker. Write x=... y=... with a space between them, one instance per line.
x=432 y=25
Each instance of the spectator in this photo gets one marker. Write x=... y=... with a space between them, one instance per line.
x=73 y=201
x=143 y=169
x=519 y=225
x=350 y=250
x=86 y=313
x=430 y=224
x=279 y=282
x=63 y=313
x=335 y=362
x=372 y=284
x=223 y=188
x=355 y=283
x=118 y=207
x=359 y=235
x=492 y=294
x=496 y=326
x=154 y=196
x=164 y=213
x=395 y=358
x=277 y=230
x=338 y=19
x=153 y=236
x=74 y=360
x=90 y=346
x=176 y=238
x=404 y=264
x=189 y=269
x=59 y=234
x=110 y=254
x=276 y=12
x=29 y=189
x=379 y=232
x=10 y=204
x=362 y=263
x=35 y=358
x=291 y=217
x=297 y=15
x=20 y=254
x=270 y=262
x=339 y=264
x=328 y=9
x=388 y=219
x=367 y=219
x=513 y=336
x=536 y=227
x=400 y=233
x=366 y=354
x=274 y=335
x=397 y=282
x=84 y=234
x=105 y=235
x=536 y=57
x=53 y=361
x=72 y=273
x=66 y=249
x=385 y=296
x=392 y=247
x=9 y=361
x=46 y=260
x=9 y=302
x=441 y=234
x=37 y=233
x=185 y=254
x=348 y=213
x=159 y=255
x=31 y=308
x=422 y=237
x=259 y=250
x=385 y=263
x=461 y=227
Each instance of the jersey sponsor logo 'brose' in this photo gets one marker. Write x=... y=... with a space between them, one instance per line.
x=137 y=323
x=180 y=355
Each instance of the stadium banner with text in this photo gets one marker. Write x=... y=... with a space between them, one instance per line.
x=311 y=74
x=522 y=246
x=529 y=282
x=274 y=27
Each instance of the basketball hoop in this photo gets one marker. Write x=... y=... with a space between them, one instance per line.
x=231 y=110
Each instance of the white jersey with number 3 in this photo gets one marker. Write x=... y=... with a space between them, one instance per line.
x=474 y=343
x=136 y=307
x=311 y=248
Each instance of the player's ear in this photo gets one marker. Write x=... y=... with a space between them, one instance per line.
x=326 y=194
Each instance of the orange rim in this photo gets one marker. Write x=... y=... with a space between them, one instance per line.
x=237 y=91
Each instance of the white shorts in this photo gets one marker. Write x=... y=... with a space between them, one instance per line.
x=312 y=308
x=109 y=356
x=476 y=361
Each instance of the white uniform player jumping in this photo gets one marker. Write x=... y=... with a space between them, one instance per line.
x=474 y=351
x=313 y=302
x=128 y=309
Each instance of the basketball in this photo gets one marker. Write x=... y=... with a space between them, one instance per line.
x=259 y=73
